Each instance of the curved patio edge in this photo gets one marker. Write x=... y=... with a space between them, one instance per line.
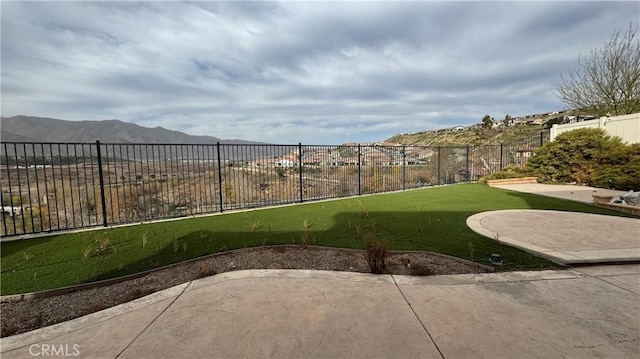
x=565 y=238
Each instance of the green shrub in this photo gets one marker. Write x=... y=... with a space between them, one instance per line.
x=507 y=172
x=573 y=156
x=619 y=169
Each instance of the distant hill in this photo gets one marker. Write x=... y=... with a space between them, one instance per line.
x=468 y=136
x=39 y=129
x=477 y=135
x=7 y=136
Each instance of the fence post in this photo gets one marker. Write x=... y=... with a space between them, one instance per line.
x=542 y=138
x=300 y=169
x=404 y=161
x=438 y=165
x=501 y=156
x=101 y=179
x=219 y=178
x=359 y=171
x=467 y=168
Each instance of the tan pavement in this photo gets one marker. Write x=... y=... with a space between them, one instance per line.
x=585 y=312
x=571 y=192
x=563 y=237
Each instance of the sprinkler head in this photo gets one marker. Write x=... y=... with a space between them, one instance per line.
x=496 y=259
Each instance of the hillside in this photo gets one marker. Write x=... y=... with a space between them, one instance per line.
x=38 y=129
x=520 y=127
x=469 y=136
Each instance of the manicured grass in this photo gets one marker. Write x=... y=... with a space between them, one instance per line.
x=431 y=219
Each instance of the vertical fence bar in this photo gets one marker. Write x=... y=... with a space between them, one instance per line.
x=11 y=204
x=101 y=180
x=359 y=170
x=130 y=197
x=64 y=197
x=124 y=189
x=243 y=195
x=219 y=178
x=468 y=175
x=109 y=183
x=190 y=185
x=22 y=209
x=170 y=181
x=159 y=203
x=300 y=169
x=438 y=167
x=143 y=190
x=182 y=197
x=211 y=184
x=78 y=190
x=202 y=175
x=93 y=181
x=143 y=210
x=26 y=166
x=46 y=185
x=404 y=166
x=2 y=201
x=90 y=212
x=501 y=156
x=35 y=170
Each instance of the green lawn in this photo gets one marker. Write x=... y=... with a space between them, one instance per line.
x=431 y=219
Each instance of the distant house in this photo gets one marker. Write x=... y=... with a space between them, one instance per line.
x=285 y=163
x=574 y=119
x=458 y=128
x=11 y=210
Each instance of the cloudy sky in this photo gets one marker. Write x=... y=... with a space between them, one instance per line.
x=288 y=72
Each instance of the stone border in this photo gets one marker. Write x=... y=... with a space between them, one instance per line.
x=107 y=282
x=602 y=201
x=522 y=180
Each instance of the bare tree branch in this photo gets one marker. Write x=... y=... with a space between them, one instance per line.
x=608 y=80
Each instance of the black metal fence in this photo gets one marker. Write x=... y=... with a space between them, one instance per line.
x=48 y=187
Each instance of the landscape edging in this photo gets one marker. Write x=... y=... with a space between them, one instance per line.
x=107 y=282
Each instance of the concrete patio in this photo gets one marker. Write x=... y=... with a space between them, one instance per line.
x=583 y=312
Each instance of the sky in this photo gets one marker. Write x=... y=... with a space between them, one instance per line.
x=289 y=72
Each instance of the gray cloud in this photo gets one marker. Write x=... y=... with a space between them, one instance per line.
x=295 y=71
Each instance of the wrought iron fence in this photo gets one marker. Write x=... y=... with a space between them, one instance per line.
x=47 y=187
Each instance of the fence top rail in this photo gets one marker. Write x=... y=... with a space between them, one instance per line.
x=48 y=143
x=163 y=144
x=231 y=144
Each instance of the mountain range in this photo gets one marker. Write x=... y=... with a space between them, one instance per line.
x=38 y=129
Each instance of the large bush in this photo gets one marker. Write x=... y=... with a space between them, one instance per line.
x=619 y=169
x=574 y=156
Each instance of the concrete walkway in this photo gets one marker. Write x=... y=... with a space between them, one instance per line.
x=571 y=192
x=582 y=313
x=563 y=237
